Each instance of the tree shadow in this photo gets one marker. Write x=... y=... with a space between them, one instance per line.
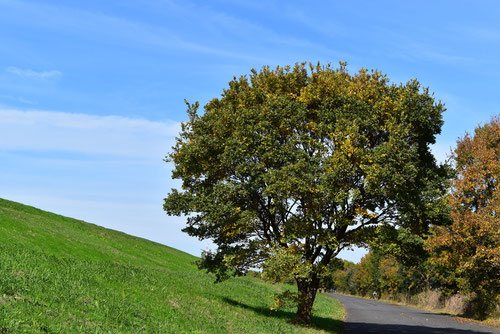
x=332 y=325
x=321 y=323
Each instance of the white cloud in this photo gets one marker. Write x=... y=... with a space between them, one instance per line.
x=29 y=73
x=83 y=133
x=116 y=180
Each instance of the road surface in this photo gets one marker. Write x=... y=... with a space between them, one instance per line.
x=370 y=316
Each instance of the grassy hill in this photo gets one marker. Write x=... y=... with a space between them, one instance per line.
x=61 y=275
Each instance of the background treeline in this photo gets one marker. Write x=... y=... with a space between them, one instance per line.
x=455 y=266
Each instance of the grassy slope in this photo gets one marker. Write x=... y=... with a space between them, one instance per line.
x=59 y=274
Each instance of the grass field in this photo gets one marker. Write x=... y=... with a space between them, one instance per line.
x=61 y=275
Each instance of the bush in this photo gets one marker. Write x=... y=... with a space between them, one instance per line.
x=457 y=303
x=430 y=299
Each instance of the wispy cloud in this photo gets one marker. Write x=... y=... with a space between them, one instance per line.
x=435 y=54
x=487 y=34
x=328 y=28
x=17 y=99
x=118 y=30
x=224 y=35
x=29 y=73
x=87 y=134
x=417 y=48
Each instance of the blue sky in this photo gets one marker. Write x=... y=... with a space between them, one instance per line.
x=91 y=92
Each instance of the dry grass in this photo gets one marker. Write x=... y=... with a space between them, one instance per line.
x=456 y=303
x=431 y=299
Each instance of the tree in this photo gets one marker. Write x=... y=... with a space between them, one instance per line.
x=366 y=275
x=377 y=272
x=343 y=277
x=291 y=165
x=467 y=253
x=407 y=250
x=391 y=278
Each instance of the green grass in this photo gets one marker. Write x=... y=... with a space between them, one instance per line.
x=61 y=275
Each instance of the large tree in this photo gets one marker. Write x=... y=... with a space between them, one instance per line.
x=466 y=254
x=294 y=164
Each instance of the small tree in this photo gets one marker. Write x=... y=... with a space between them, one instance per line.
x=290 y=166
x=467 y=253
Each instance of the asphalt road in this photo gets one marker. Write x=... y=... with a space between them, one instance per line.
x=370 y=316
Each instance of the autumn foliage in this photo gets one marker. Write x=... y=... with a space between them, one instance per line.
x=456 y=265
x=466 y=254
x=293 y=164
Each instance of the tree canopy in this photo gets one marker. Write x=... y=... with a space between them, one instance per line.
x=294 y=164
x=466 y=254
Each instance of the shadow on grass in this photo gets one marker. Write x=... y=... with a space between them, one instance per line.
x=322 y=323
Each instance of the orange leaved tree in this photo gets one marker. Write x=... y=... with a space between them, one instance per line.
x=469 y=249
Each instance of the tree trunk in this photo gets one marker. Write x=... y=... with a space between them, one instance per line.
x=307 y=289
